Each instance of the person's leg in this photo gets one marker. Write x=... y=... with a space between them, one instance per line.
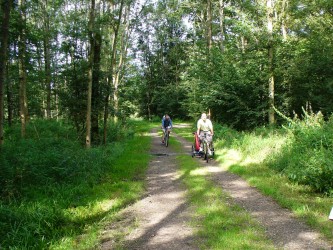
x=209 y=140
x=201 y=136
x=163 y=135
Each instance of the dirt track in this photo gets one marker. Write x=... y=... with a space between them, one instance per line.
x=161 y=218
x=163 y=214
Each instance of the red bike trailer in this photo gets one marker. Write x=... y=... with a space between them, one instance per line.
x=196 y=147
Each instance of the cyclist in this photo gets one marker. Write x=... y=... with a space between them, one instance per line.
x=205 y=126
x=166 y=124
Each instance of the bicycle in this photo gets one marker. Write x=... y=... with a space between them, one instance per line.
x=166 y=136
x=207 y=148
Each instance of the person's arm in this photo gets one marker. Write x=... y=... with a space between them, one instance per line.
x=211 y=128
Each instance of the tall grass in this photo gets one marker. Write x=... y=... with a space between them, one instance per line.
x=55 y=193
x=307 y=156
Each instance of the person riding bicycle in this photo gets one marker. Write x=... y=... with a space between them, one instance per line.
x=166 y=124
x=205 y=126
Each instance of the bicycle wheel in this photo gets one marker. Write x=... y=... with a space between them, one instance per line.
x=212 y=149
x=205 y=149
x=166 y=139
x=207 y=155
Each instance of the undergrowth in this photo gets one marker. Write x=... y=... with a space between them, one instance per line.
x=307 y=156
x=55 y=193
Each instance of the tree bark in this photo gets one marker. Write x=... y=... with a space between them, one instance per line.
x=5 y=8
x=221 y=12
x=9 y=99
x=124 y=46
x=90 y=72
x=271 y=94
x=22 y=69
x=209 y=26
x=95 y=101
x=116 y=71
x=47 y=58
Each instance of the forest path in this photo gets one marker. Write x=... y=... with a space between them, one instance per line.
x=161 y=218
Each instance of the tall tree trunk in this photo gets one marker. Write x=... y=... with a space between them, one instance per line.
x=283 y=19
x=90 y=72
x=40 y=69
x=124 y=44
x=271 y=94
x=47 y=58
x=106 y=111
x=22 y=69
x=9 y=98
x=209 y=26
x=221 y=12
x=5 y=9
x=56 y=85
x=108 y=87
x=111 y=74
x=95 y=101
x=116 y=70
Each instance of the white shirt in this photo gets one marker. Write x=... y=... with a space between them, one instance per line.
x=205 y=125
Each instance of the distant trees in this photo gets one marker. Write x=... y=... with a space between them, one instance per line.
x=239 y=59
x=264 y=54
x=62 y=53
x=161 y=49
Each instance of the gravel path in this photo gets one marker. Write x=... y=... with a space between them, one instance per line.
x=162 y=215
x=161 y=218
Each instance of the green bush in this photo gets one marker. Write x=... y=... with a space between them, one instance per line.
x=307 y=157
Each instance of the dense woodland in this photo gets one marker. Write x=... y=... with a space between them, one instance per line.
x=90 y=61
x=93 y=64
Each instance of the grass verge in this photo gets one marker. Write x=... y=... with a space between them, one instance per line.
x=220 y=223
x=71 y=213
